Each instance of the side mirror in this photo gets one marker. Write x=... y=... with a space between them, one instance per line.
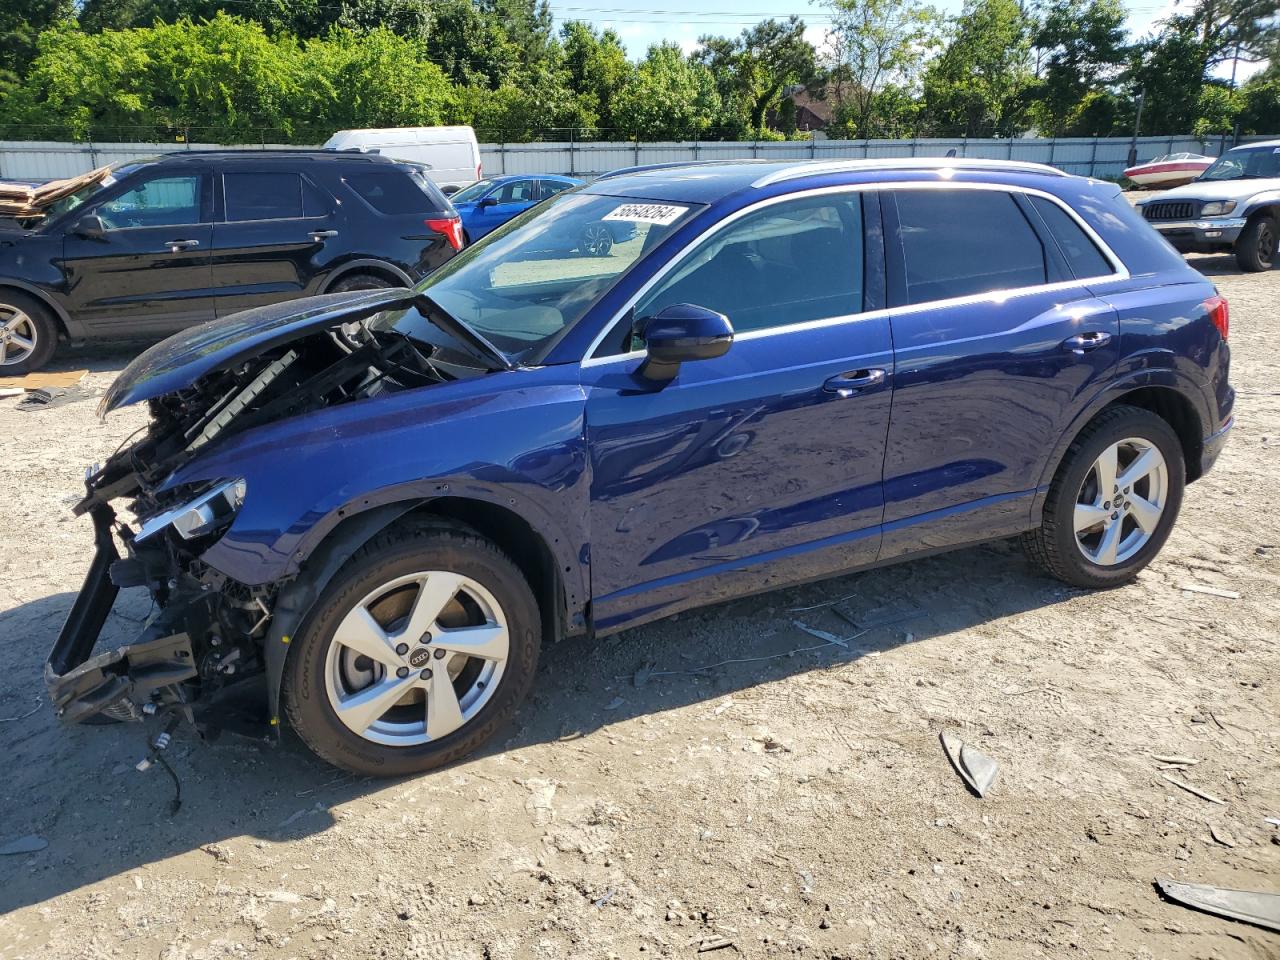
x=679 y=333
x=91 y=227
x=489 y=201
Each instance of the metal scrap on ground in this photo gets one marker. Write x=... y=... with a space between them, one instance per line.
x=975 y=768
x=1249 y=906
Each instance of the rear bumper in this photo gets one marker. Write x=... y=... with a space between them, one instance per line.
x=1201 y=236
x=1212 y=446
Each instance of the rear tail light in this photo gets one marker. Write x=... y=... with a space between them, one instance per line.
x=1219 y=314
x=451 y=227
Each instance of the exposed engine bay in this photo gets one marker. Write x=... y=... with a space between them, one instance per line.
x=207 y=630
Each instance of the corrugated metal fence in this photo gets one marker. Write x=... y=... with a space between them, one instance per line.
x=1087 y=156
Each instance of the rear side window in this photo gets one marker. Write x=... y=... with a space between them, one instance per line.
x=1082 y=254
x=263 y=196
x=394 y=191
x=958 y=243
x=549 y=188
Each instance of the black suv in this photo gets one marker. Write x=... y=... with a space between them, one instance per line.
x=161 y=244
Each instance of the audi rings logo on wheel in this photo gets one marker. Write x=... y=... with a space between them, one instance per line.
x=419 y=657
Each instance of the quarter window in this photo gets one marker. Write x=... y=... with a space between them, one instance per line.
x=958 y=243
x=263 y=196
x=162 y=202
x=791 y=262
x=393 y=192
x=1083 y=255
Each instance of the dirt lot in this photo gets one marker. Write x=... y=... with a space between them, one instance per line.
x=792 y=801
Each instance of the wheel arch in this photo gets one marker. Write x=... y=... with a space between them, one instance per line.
x=380 y=268
x=66 y=326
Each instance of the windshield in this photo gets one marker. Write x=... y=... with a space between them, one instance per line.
x=473 y=192
x=541 y=272
x=1245 y=164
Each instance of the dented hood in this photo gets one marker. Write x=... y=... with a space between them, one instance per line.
x=184 y=358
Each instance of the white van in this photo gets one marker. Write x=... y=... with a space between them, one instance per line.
x=451 y=154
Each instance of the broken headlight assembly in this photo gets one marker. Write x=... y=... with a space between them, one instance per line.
x=207 y=512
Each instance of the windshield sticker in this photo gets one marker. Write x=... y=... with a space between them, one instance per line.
x=663 y=214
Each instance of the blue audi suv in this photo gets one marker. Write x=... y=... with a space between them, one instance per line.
x=386 y=501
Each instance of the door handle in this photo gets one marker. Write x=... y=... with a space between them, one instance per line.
x=176 y=245
x=1082 y=343
x=854 y=381
x=319 y=236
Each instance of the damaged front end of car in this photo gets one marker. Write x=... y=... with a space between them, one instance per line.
x=204 y=386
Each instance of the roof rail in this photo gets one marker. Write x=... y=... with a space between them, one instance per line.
x=672 y=164
x=812 y=168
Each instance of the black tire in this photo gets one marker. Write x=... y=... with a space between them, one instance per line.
x=596 y=240
x=393 y=554
x=1256 y=246
x=362 y=281
x=35 y=320
x=1053 y=545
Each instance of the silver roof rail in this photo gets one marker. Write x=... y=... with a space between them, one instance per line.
x=813 y=168
x=671 y=165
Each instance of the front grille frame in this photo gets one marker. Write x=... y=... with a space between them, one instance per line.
x=1167 y=211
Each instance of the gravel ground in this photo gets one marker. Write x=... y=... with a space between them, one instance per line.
x=796 y=804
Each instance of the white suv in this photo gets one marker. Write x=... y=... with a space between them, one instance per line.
x=1234 y=205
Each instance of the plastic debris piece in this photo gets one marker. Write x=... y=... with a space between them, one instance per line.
x=1248 y=906
x=1210 y=591
x=1195 y=790
x=31 y=843
x=975 y=768
x=714 y=943
x=823 y=635
x=1178 y=761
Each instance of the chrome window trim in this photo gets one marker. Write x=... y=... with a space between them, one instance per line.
x=1121 y=271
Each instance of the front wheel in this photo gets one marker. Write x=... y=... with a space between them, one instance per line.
x=1113 y=502
x=28 y=334
x=417 y=653
x=1256 y=247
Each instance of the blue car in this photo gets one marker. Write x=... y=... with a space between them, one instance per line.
x=797 y=371
x=488 y=204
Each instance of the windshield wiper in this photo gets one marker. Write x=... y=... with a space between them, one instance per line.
x=460 y=331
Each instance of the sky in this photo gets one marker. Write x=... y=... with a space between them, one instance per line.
x=644 y=22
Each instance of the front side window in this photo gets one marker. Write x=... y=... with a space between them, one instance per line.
x=517 y=191
x=160 y=202
x=540 y=272
x=263 y=196
x=474 y=192
x=790 y=262
x=959 y=243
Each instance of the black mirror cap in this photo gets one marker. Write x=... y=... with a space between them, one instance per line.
x=489 y=201
x=90 y=226
x=680 y=333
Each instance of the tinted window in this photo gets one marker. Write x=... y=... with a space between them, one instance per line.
x=1084 y=257
x=391 y=191
x=957 y=243
x=162 y=202
x=788 y=263
x=517 y=191
x=551 y=187
x=315 y=202
x=263 y=196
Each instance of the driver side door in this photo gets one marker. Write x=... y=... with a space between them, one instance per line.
x=150 y=271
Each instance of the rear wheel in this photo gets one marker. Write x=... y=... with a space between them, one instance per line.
x=28 y=334
x=418 y=652
x=1113 y=502
x=1256 y=247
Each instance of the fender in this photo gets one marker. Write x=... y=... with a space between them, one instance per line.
x=1258 y=201
x=1150 y=377
x=74 y=328
x=365 y=264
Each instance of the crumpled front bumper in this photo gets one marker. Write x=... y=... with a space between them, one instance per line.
x=1201 y=236
x=118 y=682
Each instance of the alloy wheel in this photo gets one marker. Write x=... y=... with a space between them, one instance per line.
x=17 y=336
x=1266 y=244
x=417 y=658
x=1121 y=501
x=597 y=239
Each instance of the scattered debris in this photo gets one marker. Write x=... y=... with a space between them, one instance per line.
x=642 y=675
x=1211 y=591
x=823 y=635
x=31 y=843
x=1221 y=836
x=975 y=768
x=606 y=898
x=44 y=378
x=615 y=703
x=824 y=603
x=22 y=716
x=772 y=745
x=1249 y=906
x=716 y=942
x=299 y=814
x=1176 y=761
x=538 y=804
x=1190 y=789
x=281 y=896
x=11 y=391
x=48 y=397
x=1274 y=821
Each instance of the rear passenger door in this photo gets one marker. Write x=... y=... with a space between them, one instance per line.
x=998 y=342
x=269 y=241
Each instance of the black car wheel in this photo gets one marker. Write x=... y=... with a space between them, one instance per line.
x=416 y=654
x=1256 y=248
x=596 y=240
x=1113 y=502
x=28 y=333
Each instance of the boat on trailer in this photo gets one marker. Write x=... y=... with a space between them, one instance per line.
x=1170 y=170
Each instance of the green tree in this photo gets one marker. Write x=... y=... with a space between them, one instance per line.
x=877 y=51
x=752 y=71
x=1083 y=43
x=978 y=85
x=596 y=66
x=471 y=46
x=21 y=22
x=1216 y=110
x=1260 y=102
x=667 y=97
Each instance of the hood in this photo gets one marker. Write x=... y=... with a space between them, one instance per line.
x=184 y=358
x=1215 y=190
